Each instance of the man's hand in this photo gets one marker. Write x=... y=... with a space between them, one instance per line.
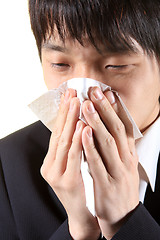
x=62 y=169
x=110 y=152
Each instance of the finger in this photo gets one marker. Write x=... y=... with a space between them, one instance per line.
x=59 y=125
x=119 y=109
x=62 y=114
x=65 y=139
x=96 y=166
x=75 y=152
x=106 y=144
x=111 y=120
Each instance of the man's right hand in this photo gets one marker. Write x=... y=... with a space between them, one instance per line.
x=62 y=168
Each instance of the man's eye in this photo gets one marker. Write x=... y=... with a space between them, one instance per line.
x=59 y=65
x=116 y=66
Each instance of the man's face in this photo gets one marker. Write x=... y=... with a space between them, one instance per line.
x=135 y=76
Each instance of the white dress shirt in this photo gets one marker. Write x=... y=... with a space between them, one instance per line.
x=148 y=149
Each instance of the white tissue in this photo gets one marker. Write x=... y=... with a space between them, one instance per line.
x=46 y=108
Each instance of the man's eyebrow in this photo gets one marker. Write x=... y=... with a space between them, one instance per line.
x=53 y=47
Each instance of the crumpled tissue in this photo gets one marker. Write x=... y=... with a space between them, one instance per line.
x=46 y=108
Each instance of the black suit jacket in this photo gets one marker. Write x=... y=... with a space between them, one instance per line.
x=30 y=210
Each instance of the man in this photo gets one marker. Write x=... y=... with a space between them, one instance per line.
x=117 y=43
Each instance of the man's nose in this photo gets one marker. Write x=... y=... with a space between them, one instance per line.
x=85 y=71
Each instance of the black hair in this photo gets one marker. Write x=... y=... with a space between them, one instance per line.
x=113 y=23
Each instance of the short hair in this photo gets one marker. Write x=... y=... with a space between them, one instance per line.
x=113 y=23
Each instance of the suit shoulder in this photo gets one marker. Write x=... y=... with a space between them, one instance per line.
x=35 y=134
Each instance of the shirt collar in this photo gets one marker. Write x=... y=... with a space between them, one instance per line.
x=148 y=149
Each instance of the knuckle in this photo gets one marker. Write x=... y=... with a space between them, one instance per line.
x=49 y=176
x=119 y=128
x=55 y=132
x=64 y=144
x=124 y=177
x=96 y=160
x=93 y=148
x=133 y=164
x=44 y=169
x=70 y=183
x=72 y=155
x=45 y=174
x=109 y=141
x=105 y=106
x=52 y=180
x=97 y=120
x=90 y=146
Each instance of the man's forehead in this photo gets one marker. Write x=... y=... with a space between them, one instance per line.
x=66 y=45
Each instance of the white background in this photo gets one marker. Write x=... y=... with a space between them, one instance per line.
x=21 y=77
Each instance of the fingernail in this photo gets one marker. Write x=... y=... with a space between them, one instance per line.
x=89 y=132
x=67 y=96
x=91 y=108
x=110 y=96
x=98 y=94
x=78 y=126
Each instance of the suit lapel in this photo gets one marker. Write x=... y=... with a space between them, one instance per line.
x=152 y=199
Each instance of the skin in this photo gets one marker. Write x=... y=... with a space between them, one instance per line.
x=107 y=140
